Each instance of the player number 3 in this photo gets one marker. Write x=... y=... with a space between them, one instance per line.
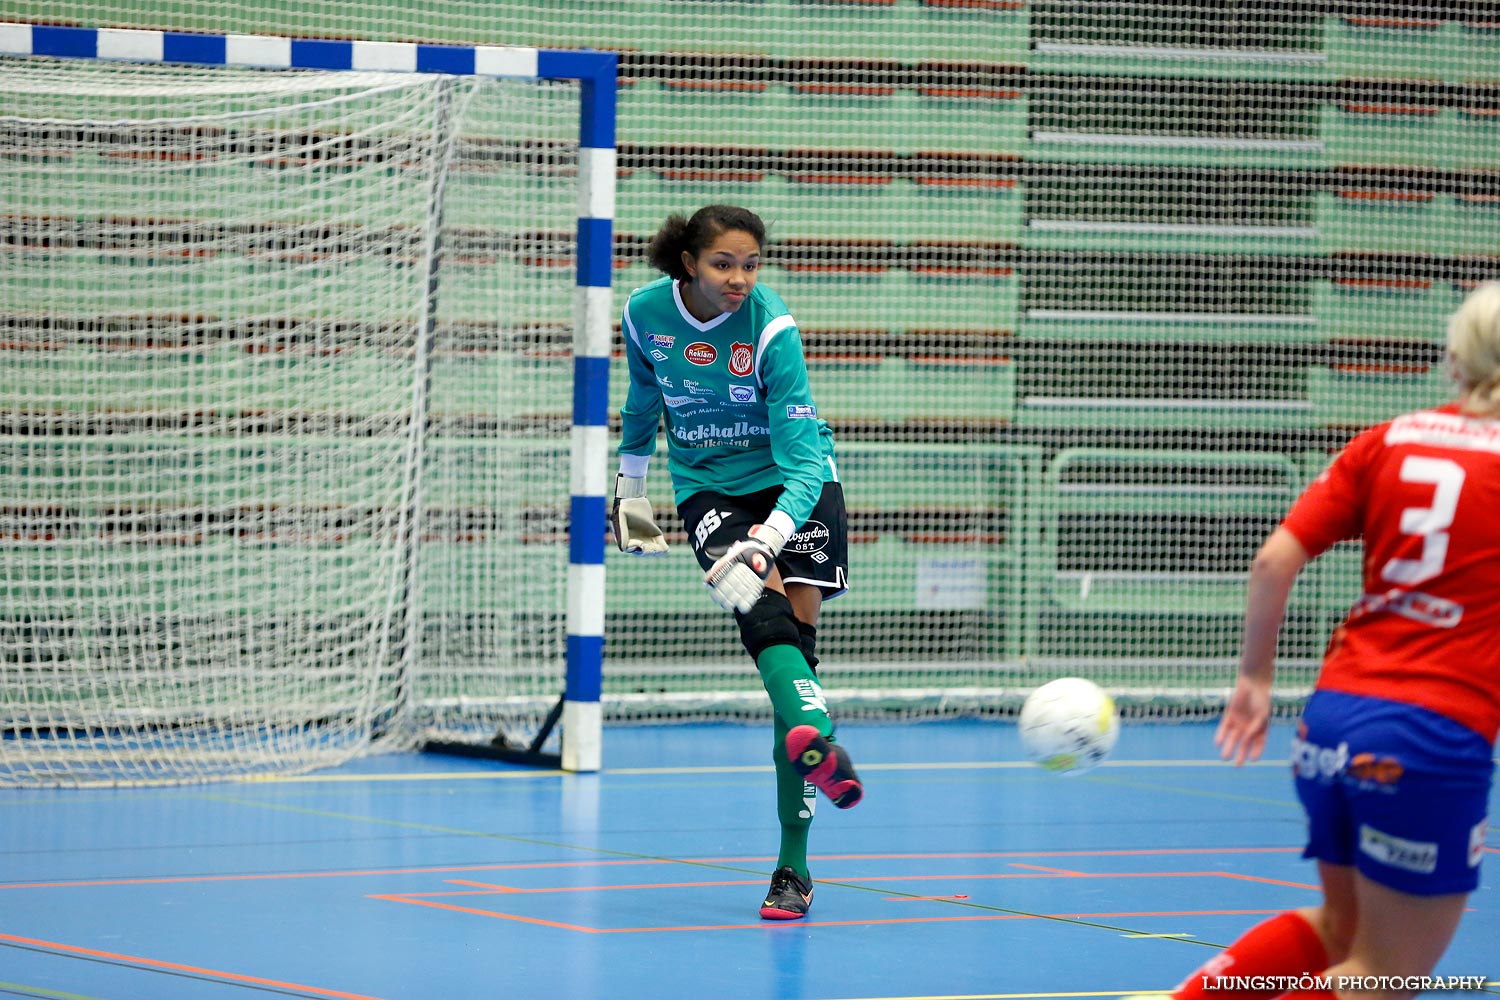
x=1428 y=523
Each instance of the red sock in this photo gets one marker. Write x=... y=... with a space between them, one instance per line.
x=1285 y=945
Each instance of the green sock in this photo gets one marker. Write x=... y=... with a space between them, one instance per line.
x=795 y=800
x=796 y=696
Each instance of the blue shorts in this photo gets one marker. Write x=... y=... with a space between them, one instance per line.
x=1395 y=790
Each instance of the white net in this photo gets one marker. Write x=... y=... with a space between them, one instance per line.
x=243 y=311
x=1089 y=291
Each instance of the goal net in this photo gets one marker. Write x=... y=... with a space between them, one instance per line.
x=1089 y=293
x=285 y=439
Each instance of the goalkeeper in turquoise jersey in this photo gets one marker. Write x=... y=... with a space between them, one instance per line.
x=753 y=475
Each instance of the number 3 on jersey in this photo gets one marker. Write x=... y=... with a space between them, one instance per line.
x=1428 y=523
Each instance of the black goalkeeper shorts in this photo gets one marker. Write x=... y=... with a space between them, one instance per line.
x=817 y=554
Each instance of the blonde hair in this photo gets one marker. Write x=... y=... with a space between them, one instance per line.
x=1474 y=348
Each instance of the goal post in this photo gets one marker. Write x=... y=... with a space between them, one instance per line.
x=262 y=385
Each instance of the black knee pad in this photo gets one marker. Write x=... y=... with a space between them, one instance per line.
x=808 y=640
x=769 y=622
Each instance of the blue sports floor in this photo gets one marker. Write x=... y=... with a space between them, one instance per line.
x=965 y=873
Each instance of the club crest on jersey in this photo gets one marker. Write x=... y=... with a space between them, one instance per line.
x=741 y=358
x=700 y=354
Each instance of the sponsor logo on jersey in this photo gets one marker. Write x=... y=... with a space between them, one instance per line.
x=664 y=381
x=660 y=340
x=1445 y=430
x=1316 y=763
x=812 y=538
x=716 y=435
x=1366 y=768
x=676 y=402
x=1419 y=607
x=700 y=354
x=695 y=387
x=741 y=359
x=658 y=356
x=795 y=410
x=1371 y=772
x=1418 y=856
x=742 y=394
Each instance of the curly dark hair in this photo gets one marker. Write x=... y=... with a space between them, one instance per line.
x=693 y=234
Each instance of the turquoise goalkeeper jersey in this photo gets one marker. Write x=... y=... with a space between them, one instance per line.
x=739 y=414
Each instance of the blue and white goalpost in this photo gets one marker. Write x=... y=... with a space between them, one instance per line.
x=582 y=718
x=578 y=710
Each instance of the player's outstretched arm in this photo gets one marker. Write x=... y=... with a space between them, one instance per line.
x=1241 y=735
x=633 y=522
x=738 y=578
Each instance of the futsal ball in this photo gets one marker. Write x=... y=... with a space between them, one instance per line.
x=1069 y=725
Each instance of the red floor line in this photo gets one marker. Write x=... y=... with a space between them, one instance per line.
x=155 y=963
x=1122 y=852
x=272 y=876
x=485 y=886
x=827 y=923
x=970 y=917
x=993 y=876
x=1166 y=913
x=1272 y=881
x=498 y=915
x=414 y=901
x=509 y=889
x=483 y=889
x=616 y=862
x=268 y=876
x=920 y=899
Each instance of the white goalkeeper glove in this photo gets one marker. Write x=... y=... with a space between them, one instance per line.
x=635 y=528
x=737 y=579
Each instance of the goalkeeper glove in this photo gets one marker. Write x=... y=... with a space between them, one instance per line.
x=635 y=528
x=737 y=579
